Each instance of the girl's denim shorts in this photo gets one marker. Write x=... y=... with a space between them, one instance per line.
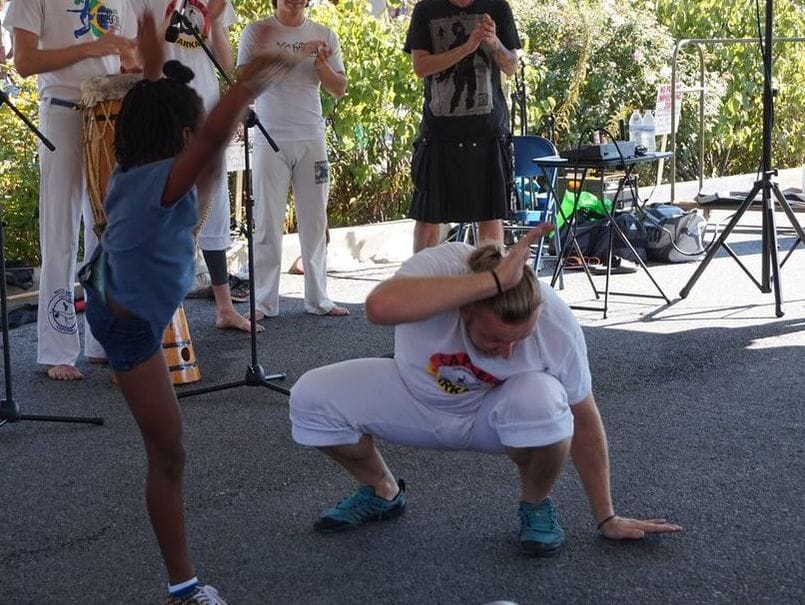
x=127 y=342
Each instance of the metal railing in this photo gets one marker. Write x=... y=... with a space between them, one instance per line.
x=699 y=43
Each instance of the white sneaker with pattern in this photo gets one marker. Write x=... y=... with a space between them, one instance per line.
x=202 y=595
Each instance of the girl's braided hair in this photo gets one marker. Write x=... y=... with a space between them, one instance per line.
x=153 y=117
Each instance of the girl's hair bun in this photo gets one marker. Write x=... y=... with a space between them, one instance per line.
x=177 y=71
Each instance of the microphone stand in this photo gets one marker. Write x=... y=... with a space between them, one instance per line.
x=9 y=408
x=255 y=374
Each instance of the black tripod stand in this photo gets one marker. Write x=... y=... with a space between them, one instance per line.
x=770 y=267
x=255 y=374
x=9 y=408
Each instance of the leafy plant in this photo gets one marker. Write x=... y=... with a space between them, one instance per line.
x=590 y=62
x=734 y=84
x=19 y=177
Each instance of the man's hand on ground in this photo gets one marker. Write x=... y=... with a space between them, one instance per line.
x=624 y=528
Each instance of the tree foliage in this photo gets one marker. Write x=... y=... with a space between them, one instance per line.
x=587 y=62
x=19 y=177
x=734 y=83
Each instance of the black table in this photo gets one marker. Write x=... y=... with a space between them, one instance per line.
x=584 y=167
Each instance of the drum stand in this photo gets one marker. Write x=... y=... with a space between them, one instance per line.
x=9 y=408
x=255 y=374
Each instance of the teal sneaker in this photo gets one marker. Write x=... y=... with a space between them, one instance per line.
x=540 y=532
x=359 y=507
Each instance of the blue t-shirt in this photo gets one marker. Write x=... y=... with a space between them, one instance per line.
x=148 y=249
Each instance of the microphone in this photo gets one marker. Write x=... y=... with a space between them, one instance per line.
x=175 y=26
x=172 y=33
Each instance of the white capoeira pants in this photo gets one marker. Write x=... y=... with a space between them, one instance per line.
x=303 y=166
x=337 y=404
x=215 y=233
x=63 y=200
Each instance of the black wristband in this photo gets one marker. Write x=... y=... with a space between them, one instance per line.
x=497 y=281
x=605 y=521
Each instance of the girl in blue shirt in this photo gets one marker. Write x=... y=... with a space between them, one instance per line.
x=167 y=154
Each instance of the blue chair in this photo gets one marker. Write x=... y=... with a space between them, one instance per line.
x=534 y=190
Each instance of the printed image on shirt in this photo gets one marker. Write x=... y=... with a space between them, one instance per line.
x=96 y=18
x=464 y=89
x=456 y=374
x=196 y=14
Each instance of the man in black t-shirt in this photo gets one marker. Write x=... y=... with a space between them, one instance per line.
x=462 y=159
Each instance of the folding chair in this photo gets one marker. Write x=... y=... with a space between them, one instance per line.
x=533 y=201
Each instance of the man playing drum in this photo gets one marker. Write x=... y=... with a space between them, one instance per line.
x=65 y=43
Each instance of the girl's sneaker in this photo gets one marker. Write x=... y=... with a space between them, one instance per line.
x=202 y=595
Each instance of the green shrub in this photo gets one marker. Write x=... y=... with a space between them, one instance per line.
x=19 y=176
x=590 y=62
x=734 y=84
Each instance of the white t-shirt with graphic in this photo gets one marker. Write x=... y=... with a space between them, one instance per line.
x=187 y=49
x=63 y=23
x=290 y=110
x=440 y=364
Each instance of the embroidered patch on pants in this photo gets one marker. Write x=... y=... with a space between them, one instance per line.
x=61 y=312
x=321 y=172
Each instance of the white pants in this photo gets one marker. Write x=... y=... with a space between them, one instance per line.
x=336 y=404
x=63 y=200
x=303 y=166
x=215 y=231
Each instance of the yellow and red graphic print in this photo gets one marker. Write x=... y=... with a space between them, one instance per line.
x=455 y=373
x=196 y=13
x=96 y=18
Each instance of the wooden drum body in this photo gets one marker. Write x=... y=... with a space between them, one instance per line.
x=178 y=350
x=101 y=98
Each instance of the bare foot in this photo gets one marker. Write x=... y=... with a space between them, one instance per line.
x=232 y=320
x=64 y=372
x=258 y=315
x=100 y=361
x=338 y=311
x=296 y=267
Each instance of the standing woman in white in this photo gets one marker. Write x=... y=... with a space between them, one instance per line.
x=65 y=43
x=212 y=19
x=291 y=113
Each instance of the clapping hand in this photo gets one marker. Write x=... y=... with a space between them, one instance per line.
x=150 y=46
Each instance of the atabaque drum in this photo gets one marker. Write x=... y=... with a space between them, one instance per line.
x=178 y=350
x=101 y=98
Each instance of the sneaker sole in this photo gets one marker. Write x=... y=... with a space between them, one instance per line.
x=334 y=529
x=535 y=549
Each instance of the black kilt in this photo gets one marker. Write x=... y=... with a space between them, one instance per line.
x=461 y=181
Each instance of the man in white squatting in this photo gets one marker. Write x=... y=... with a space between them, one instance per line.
x=486 y=359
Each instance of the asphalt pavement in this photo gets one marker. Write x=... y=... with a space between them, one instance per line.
x=702 y=399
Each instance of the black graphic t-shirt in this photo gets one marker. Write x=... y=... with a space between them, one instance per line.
x=466 y=99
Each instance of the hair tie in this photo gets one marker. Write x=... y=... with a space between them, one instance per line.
x=497 y=281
